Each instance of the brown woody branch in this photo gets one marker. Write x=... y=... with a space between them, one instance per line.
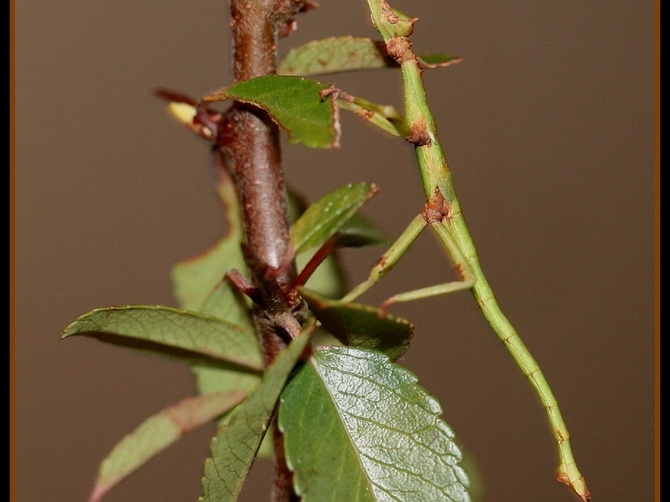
x=248 y=148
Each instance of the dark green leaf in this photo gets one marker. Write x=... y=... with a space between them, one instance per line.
x=297 y=104
x=361 y=326
x=358 y=427
x=327 y=215
x=327 y=279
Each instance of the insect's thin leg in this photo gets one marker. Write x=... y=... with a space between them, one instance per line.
x=390 y=258
x=463 y=269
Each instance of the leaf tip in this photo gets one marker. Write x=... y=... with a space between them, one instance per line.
x=97 y=493
x=68 y=330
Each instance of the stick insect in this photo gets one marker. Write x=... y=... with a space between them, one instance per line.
x=442 y=214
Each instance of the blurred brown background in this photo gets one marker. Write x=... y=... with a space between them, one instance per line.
x=548 y=126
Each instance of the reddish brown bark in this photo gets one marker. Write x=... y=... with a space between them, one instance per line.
x=248 y=146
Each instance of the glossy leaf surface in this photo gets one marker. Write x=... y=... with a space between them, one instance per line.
x=358 y=427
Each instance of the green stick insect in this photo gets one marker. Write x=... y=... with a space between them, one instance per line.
x=443 y=215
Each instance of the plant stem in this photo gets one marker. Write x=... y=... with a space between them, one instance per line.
x=248 y=144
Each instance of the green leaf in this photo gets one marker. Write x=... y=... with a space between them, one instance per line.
x=327 y=279
x=210 y=379
x=323 y=218
x=332 y=218
x=299 y=105
x=335 y=54
x=362 y=326
x=358 y=427
x=346 y=53
x=158 y=432
x=171 y=332
x=235 y=446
